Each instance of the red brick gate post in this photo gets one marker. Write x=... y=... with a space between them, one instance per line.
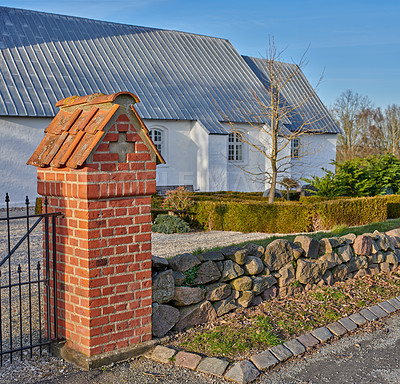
x=97 y=165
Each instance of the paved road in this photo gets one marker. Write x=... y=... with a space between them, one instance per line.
x=362 y=358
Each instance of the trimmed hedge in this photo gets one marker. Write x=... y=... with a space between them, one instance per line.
x=288 y=217
x=393 y=206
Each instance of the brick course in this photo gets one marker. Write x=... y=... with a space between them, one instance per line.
x=104 y=244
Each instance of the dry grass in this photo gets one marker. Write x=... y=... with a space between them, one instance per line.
x=246 y=331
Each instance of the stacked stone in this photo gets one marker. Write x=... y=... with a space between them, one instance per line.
x=190 y=290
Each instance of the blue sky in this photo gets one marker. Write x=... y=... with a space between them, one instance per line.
x=356 y=44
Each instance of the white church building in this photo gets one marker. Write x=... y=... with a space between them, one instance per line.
x=189 y=86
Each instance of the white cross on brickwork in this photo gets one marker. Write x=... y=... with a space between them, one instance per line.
x=122 y=147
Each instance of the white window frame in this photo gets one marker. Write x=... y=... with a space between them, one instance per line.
x=295 y=148
x=235 y=148
x=161 y=142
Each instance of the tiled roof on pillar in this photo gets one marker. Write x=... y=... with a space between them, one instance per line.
x=77 y=128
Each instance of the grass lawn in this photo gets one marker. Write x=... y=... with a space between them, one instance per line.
x=242 y=333
x=336 y=232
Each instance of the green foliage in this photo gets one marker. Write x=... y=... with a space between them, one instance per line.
x=372 y=176
x=191 y=275
x=287 y=217
x=38 y=206
x=229 y=339
x=393 y=206
x=169 y=224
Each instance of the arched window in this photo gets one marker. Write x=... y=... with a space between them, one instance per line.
x=235 y=147
x=158 y=139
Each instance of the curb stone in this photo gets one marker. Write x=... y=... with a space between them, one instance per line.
x=246 y=371
x=348 y=324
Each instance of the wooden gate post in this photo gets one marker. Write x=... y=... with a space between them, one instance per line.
x=97 y=165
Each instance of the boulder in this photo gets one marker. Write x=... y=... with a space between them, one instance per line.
x=392 y=259
x=235 y=254
x=310 y=246
x=385 y=267
x=373 y=269
x=363 y=245
x=224 y=306
x=377 y=258
x=207 y=273
x=163 y=287
x=184 y=296
x=254 y=250
x=230 y=270
x=257 y=300
x=308 y=271
x=179 y=277
x=196 y=314
x=345 y=252
x=287 y=275
x=212 y=256
x=395 y=241
x=326 y=246
x=241 y=284
x=261 y=283
x=332 y=259
x=340 y=272
x=218 y=291
x=360 y=273
x=158 y=262
x=163 y=319
x=269 y=293
x=356 y=263
x=253 y=265
x=290 y=290
x=349 y=238
x=280 y=252
x=245 y=298
x=393 y=232
x=184 y=262
x=384 y=242
x=328 y=278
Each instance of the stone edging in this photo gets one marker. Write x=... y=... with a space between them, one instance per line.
x=246 y=371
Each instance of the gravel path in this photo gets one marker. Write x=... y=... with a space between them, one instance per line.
x=174 y=244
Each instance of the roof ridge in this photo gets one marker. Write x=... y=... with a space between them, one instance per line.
x=110 y=22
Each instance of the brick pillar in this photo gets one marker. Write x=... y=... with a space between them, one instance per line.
x=104 y=244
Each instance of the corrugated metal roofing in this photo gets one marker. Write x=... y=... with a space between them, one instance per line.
x=176 y=75
x=308 y=113
x=46 y=57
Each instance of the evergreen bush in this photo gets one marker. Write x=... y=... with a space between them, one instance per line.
x=169 y=224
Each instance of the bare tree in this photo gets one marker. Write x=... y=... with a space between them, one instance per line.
x=392 y=129
x=279 y=121
x=347 y=111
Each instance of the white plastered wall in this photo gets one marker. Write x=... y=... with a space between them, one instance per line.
x=19 y=137
x=179 y=152
x=316 y=153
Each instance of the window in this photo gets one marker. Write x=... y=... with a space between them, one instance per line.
x=157 y=137
x=295 y=146
x=235 y=147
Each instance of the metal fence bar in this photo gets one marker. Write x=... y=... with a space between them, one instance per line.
x=20 y=285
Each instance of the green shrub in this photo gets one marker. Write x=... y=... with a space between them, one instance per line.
x=288 y=217
x=169 y=224
x=393 y=206
x=38 y=205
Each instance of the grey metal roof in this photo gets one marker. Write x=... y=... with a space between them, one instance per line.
x=176 y=75
x=304 y=103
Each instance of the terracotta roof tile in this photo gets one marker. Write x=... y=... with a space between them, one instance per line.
x=77 y=129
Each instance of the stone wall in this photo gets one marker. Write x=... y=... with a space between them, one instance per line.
x=190 y=290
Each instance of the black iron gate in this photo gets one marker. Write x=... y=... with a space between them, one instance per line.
x=28 y=281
